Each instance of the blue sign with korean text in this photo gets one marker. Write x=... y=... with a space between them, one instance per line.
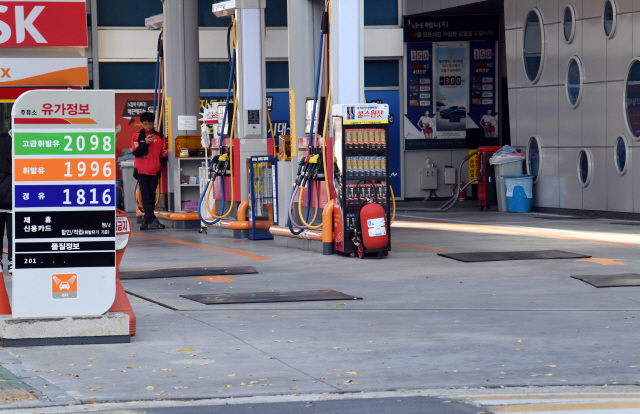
x=72 y=195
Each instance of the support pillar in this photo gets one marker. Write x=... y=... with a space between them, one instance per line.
x=182 y=79
x=303 y=20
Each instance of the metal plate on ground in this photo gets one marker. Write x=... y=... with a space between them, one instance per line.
x=186 y=272
x=602 y=281
x=564 y=217
x=470 y=257
x=16 y=395
x=265 y=297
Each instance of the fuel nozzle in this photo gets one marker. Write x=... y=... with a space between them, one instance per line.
x=312 y=165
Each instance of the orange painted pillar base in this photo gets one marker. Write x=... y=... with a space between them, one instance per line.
x=5 y=306
x=121 y=303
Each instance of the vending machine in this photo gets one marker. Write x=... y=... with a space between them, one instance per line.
x=361 y=169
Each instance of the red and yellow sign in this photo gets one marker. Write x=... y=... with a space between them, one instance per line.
x=43 y=71
x=61 y=169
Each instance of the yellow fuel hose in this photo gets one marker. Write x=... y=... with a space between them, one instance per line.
x=275 y=154
x=324 y=164
x=393 y=199
x=233 y=127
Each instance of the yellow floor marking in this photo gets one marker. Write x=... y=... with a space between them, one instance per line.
x=252 y=256
x=532 y=408
x=216 y=279
x=601 y=261
x=418 y=247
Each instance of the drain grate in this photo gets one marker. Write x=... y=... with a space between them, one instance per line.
x=16 y=395
x=627 y=223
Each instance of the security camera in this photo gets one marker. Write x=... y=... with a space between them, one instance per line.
x=154 y=22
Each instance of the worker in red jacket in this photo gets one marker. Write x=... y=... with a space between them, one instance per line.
x=150 y=149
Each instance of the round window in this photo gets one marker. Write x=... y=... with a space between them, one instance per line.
x=609 y=16
x=532 y=50
x=573 y=84
x=632 y=98
x=534 y=164
x=622 y=155
x=585 y=167
x=569 y=23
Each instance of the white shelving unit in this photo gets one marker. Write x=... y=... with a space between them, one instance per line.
x=188 y=192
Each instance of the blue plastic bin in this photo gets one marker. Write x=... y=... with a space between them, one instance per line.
x=519 y=190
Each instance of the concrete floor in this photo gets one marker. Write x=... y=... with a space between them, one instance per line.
x=425 y=322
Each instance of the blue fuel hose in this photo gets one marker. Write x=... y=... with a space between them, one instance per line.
x=313 y=117
x=204 y=193
x=289 y=215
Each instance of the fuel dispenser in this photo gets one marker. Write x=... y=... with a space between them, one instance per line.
x=361 y=177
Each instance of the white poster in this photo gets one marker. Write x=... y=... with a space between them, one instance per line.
x=451 y=89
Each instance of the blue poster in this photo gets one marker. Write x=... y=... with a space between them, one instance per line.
x=391 y=98
x=450 y=96
x=483 y=109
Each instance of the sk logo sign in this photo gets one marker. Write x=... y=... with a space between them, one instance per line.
x=5 y=72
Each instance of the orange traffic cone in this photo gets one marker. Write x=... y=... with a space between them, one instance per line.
x=5 y=306
x=121 y=303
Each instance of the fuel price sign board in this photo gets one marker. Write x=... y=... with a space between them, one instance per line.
x=64 y=221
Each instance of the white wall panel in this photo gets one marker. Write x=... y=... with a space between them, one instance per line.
x=510 y=13
x=594 y=195
x=526 y=112
x=594 y=55
x=570 y=122
x=592 y=8
x=636 y=5
x=566 y=51
x=381 y=42
x=550 y=68
x=412 y=7
x=624 y=6
x=511 y=61
x=636 y=34
x=594 y=104
x=577 y=4
x=521 y=76
x=570 y=188
x=620 y=48
x=212 y=44
x=547 y=114
x=456 y=157
x=432 y=5
x=522 y=9
x=635 y=174
x=513 y=114
x=414 y=161
x=277 y=44
x=615 y=114
x=547 y=192
x=119 y=44
x=549 y=10
x=619 y=188
x=444 y=4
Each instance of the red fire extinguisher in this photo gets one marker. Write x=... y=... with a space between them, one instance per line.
x=461 y=194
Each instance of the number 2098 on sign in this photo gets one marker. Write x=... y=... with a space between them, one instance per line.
x=79 y=169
